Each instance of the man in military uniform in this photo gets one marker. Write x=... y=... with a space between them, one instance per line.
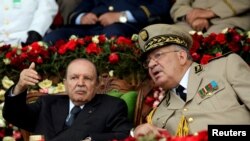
x=113 y=18
x=211 y=15
x=210 y=95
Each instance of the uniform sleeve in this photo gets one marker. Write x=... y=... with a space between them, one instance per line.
x=150 y=11
x=44 y=16
x=180 y=8
x=238 y=74
x=230 y=8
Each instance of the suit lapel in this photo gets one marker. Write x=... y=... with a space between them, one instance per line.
x=87 y=111
x=60 y=111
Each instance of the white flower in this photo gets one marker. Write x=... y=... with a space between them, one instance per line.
x=45 y=84
x=2 y=92
x=95 y=39
x=6 y=61
x=225 y=30
x=192 y=32
x=248 y=34
x=41 y=43
x=199 y=33
x=6 y=82
x=111 y=73
x=73 y=37
x=59 y=88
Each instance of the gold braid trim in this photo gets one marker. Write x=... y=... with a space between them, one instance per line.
x=149 y=117
x=230 y=6
x=182 y=129
x=162 y=40
x=145 y=10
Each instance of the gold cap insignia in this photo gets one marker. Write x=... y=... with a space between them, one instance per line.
x=144 y=35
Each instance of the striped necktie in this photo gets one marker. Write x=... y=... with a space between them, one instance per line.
x=73 y=114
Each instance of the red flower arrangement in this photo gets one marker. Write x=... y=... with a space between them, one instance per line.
x=207 y=47
x=165 y=136
x=115 y=53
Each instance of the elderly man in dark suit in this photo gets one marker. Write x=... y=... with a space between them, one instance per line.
x=113 y=18
x=195 y=95
x=79 y=115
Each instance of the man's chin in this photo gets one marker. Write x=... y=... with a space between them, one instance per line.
x=159 y=83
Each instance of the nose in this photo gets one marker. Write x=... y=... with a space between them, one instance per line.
x=152 y=62
x=80 y=82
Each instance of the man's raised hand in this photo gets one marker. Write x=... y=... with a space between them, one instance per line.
x=28 y=77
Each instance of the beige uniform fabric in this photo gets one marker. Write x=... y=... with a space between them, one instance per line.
x=230 y=13
x=229 y=104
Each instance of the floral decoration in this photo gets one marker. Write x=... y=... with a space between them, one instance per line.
x=165 y=136
x=114 y=54
x=207 y=47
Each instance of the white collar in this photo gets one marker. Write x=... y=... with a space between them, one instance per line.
x=71 y=105
x=184 y=80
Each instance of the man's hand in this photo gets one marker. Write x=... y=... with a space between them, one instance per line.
x=33 y=36
x=199 y=13
x=89 y=19
x=109 y=18
x=28 y=77
x=146 y=128
x=200 y=24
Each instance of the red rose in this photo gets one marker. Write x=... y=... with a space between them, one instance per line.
x=206 y=58
x=113 y=58
x=102 y=39
x=221 y=38
x=93 y=48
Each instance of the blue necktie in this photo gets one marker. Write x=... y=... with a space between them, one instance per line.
x=180 y=91
x=73 y=114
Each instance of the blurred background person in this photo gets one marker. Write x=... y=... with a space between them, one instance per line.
x=113 y=18
x=25 y=21
x=66 y=7
x=211 y=15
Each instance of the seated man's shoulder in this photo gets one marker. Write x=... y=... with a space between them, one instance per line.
x=229 y=55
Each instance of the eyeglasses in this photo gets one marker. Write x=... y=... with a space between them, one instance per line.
x=156 y=57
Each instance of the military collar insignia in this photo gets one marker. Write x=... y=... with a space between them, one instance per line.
x=198 y=68
x=208 y=89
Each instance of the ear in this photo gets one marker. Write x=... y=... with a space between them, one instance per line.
x=182 y=57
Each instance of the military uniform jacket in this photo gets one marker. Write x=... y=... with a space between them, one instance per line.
x=17 y=18
x=229 y=12
x=104 y=118
x=229 y=103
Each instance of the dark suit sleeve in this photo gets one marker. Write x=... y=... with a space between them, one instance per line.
x=117 y=122
x=17 y=112
x=153 y=11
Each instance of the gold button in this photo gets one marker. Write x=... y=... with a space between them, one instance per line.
x=185 y=109
x=210 y=93
x=190 y=119
x=111 y=8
